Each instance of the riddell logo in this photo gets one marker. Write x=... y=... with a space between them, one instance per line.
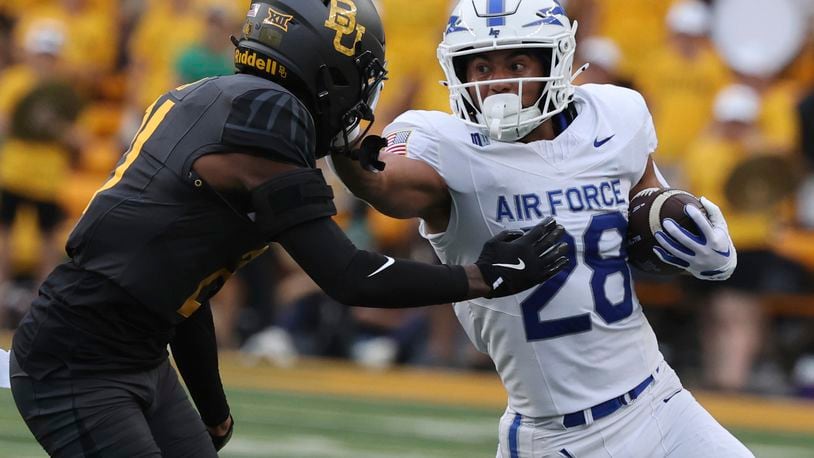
x=262 y=63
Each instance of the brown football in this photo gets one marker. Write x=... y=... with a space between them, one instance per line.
x=646 y=211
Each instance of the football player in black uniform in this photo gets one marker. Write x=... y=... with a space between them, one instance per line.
x=218 y=169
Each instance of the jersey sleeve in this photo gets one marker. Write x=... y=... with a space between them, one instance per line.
x=271 y=123
x=411 y=135
x=649 y=131
x=644 y=141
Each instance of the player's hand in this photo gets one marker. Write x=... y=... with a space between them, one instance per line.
x=368 y=153
x=221 y=433
x=514 y=261
x=709 y=257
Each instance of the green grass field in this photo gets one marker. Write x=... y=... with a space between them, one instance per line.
x=283 y=424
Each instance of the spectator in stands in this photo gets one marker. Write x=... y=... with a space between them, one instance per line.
x=603 y=56
x=762 y=55
x=733 y=320
x=679 y=82
x=616 y=19
x=89 y=51
x=777 y=118
x=211 y=55
x=163 y=30
x=38 y=108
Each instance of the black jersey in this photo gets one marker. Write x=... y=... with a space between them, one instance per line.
x=155 y=242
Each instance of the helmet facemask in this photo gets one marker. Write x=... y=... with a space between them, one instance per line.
x=372 y=74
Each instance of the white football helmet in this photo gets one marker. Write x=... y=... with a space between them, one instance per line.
x=477 y=26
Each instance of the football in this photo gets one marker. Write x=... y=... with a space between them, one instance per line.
x=647 y=210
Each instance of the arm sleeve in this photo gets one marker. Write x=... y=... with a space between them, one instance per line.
x=195 y=351
x=361 y=278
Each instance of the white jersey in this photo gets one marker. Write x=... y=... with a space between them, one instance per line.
x=581 y=338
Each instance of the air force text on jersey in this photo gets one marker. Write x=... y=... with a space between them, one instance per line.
x=524 y=207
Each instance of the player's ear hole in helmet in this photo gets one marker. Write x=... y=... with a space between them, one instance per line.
x=329 y=53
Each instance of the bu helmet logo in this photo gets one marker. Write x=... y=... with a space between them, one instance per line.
x=342 y=19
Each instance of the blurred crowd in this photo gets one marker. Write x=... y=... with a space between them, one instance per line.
x=730 y=84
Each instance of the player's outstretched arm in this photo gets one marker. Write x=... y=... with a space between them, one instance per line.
x=404 y=188
x=510 y=262
x=293 y=206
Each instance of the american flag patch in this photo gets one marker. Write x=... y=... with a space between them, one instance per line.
x=397 y=142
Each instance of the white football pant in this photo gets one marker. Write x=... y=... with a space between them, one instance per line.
x=664 y=421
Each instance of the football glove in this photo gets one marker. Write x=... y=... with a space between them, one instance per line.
x=220 y=441
x=514 y=261
x=711 y=256
x=368 y=153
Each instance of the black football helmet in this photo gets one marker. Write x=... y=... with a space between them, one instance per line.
x=329 y=53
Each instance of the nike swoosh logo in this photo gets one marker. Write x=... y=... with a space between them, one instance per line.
x=598 y=142
x=390 y=261
x=519 y=266
x=723 y=253
x=667 y=399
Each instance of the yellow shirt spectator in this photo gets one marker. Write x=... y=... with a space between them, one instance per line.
x=91 y=35
x=17 y=8
x=413 y=29
x=15 y=82
x=33 y=169
x=637 y=26
x=680 y=91
x=734 y=138
x=778 y=116
x=710 y=161
x=162 y=33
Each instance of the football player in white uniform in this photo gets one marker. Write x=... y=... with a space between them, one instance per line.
x=577 y=356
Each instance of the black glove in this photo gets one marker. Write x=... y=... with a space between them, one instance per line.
x=220 y=441
x=514 y=261
x=368 y=153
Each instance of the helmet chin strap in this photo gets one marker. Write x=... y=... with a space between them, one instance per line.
x=504 y=117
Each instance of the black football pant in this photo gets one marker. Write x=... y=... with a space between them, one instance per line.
x=141 y=414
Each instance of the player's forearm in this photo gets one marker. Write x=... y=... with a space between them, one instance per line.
x=363 y=184
x=360 y=182
x=195 y=351
x=477 y=284
x=374 y=188
x=361 y=278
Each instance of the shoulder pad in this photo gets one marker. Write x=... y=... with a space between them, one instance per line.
x=273 y=122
